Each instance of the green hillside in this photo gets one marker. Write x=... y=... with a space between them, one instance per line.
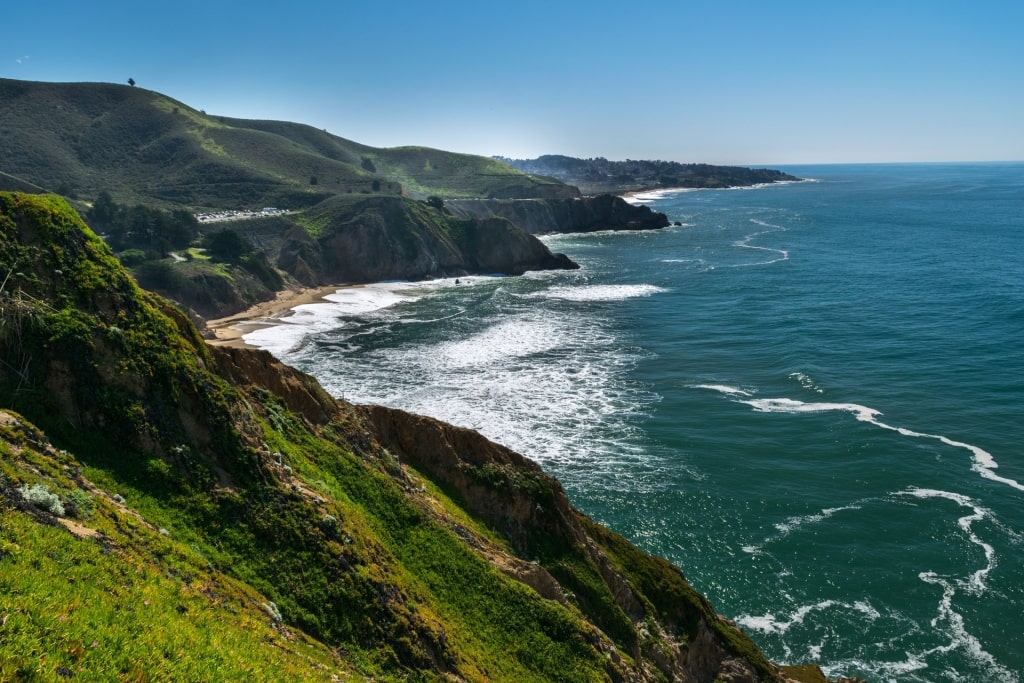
x=174 y=511
x=79 y=139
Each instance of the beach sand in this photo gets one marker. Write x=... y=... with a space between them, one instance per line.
x=228 y=331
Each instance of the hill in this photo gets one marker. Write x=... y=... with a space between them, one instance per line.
x=79 y=139
x=174 y=511
x=599 y=175
x=139 y=164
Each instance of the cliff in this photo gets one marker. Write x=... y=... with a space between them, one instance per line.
x=581 y=214
x=173 y=511
x=384 y=238
x=346 y=240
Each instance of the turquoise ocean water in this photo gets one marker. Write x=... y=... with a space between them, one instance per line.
x=808 y=396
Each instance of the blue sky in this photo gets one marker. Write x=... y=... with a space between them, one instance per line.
x=753 y=83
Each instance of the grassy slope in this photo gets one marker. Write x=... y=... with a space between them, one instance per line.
x=424 y=171
x=118 y=599
x=144 y=147
x=257 y=503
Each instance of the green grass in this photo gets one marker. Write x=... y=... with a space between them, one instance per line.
x=103 y=615
x=121 y=600
x=487 y=615
x=423 y=172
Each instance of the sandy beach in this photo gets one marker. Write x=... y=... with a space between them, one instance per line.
x=228 y=331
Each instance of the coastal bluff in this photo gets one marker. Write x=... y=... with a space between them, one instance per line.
x=237 y=518
x=391 y=238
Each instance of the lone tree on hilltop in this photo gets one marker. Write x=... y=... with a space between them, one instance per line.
x=131 y=82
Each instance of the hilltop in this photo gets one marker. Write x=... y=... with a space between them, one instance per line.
x=79 y=139
x=177 y=511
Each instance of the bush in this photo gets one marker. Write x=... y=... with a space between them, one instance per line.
x=330 y=526
x=40 y=496
x=132 y=257
x=80 y=504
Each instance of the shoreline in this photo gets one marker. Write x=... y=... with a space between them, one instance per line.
x=229 y=330
x=646 y=196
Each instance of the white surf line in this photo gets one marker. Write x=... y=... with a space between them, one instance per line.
x=745 y=244
x=960 y=637
x=598 y=292
x=976 y=584
x=722 y=388
x=794 y=523
x=983 y=461
x=780 y=625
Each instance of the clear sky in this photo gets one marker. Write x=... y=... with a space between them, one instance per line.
x=738 y=82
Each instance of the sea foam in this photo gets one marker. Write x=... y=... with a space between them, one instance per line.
x=599 y=292
x=744 y=243
x=976 y=582
x=982 y=461
x=794 y=523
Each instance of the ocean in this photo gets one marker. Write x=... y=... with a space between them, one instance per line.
x=809 y=396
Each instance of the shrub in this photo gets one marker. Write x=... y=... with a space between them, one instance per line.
x=132 y=257
x=275 y=614
x=40 y=496
x=81 y=505
x=330 y=526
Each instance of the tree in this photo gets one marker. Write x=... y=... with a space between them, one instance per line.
x=131 y=82
x=181 y=228
x=103 y=212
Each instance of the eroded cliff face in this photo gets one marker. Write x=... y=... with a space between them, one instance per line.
x=581 y=214
x=387 y=238
x=514 y=495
